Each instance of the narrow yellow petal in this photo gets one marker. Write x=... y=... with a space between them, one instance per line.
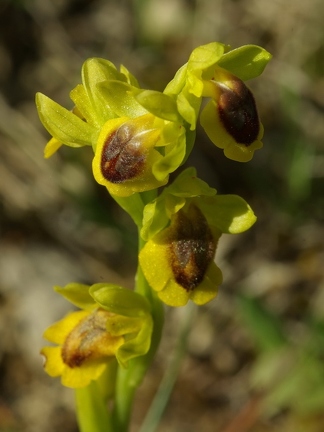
x=51 y=147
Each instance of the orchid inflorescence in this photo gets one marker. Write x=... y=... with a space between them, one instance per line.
x=139 y=137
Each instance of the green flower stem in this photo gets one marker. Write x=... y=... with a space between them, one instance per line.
x=161 y=399
x=133 y=205
x=149 y=196
x=92 y=413
x=129 y=379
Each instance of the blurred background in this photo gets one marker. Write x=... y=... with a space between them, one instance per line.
x=255 y=355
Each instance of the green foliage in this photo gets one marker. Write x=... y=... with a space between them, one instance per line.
x=265 y=328
x=289 y=374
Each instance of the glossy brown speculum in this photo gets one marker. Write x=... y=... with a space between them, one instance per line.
x=122 y=155
x=238 y=113
x=192 y=247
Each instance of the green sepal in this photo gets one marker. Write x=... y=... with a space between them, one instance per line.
x=201 y=58
x=190 y=142
x=119 y=300
x=63 y=125
x=94 y=72
x=245 y=62
x=154 y=219
x=138 y=343
x=133 y=319
x=121 y=98
x=229 y=213
x=156 y=215
x=188 y=106
x=77 y=294
x=130 y=79
x=187 y=83
x=204 y=57
x=177 y=83
x=81 y=99
x=170 y=162
x=174 y=138
x=159 y=104
x=188 y=185
x=133 y=205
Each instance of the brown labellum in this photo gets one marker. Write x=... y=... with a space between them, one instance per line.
x=192 y=247
x=122 y=155
x=85 y=339
x=238 y=113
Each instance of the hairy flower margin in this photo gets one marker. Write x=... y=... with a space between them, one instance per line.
x=114 y=323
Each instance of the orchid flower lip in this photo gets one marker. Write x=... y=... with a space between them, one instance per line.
x=178 y=261
x=122 y=157
x=238 y=114
x=192 y=248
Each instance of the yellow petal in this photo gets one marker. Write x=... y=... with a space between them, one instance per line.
x=241 y=153
x=82 y=376
x=174 y=294
x=154 y=261
x=53 y=365
x=51 y=147
x=208 y=289
x=58 y=332
x=217 y=133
